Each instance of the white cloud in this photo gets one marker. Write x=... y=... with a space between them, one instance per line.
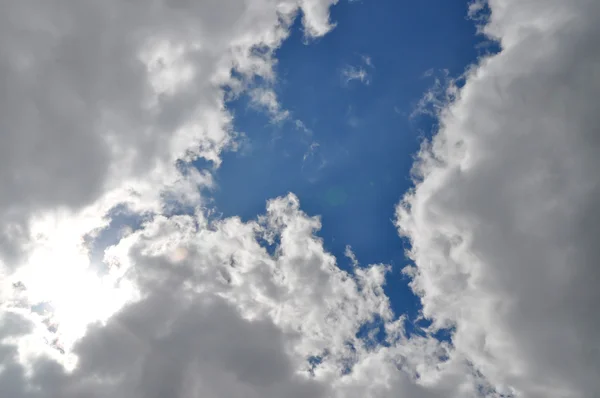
x=350 y=73
x=218 y=316
x=358 y=72
x=100 y=98
x=443 y=91
x=504 y=218
x=102 y=103
x=351 y=256
x=266 y=98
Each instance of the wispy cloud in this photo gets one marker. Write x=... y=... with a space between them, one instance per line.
x=439 y=95
x=265 y=98
x=361 y=72
x=350 y=255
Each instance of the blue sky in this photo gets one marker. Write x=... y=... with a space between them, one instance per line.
x=365 y=133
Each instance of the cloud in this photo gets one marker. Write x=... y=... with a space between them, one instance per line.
x=226 y=318
x=504 y=214
x=104 y=104
x=313 y=162
x=100 y=99
x=442 y=92
x=267 y=99
x=351 y=256
x=358 y=72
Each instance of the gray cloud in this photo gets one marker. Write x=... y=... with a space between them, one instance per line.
x=221 y=317
x=503 y=221
x=98 y=99
x=169 y=346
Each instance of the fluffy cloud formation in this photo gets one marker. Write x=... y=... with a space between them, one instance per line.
x=105 y=103
x=504 y=217
x=101 y=98
x=220 y=315
x=103 y=106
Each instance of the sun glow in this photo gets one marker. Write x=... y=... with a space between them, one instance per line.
x=62 y=288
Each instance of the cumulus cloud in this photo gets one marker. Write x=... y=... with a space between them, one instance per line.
x=104 y=104
x=220 y=315
x=100 y=99
x=504 y=216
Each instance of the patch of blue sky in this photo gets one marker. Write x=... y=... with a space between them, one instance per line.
x=122 y=221
x=354 y=91
x=349 y=159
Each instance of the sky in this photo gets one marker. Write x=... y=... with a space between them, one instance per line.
x=299 y=198
x=351 y=159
